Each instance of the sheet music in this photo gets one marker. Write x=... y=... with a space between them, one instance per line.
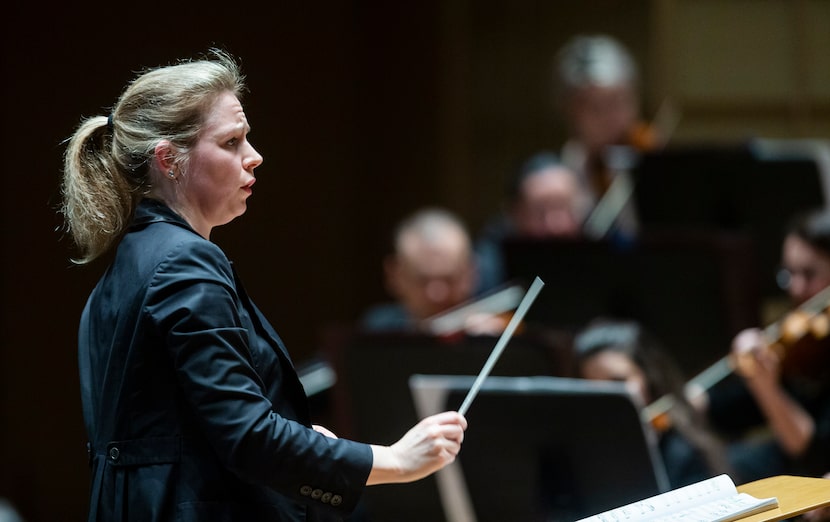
x=712 y=500
x=732 y=508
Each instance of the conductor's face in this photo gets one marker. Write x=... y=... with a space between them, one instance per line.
x=220 y=173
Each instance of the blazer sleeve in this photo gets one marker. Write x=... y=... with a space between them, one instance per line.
x=193 y=302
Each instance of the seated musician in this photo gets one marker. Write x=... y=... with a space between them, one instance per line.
x=543 y=200
x=619 y=350
x=430 y=270
x=597 y=91
x=778 y=408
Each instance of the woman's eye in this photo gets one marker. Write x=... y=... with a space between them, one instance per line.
x=233 y=141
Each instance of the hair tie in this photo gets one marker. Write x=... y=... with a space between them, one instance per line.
x=109 y=122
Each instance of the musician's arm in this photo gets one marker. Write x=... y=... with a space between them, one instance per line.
x=793 y=427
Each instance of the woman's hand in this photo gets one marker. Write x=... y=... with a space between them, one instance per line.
x=754 y=360
x=760 y=368
x=427 y=447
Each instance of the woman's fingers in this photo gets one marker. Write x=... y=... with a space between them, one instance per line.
x=430 y=445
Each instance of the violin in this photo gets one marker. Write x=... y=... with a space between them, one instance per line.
x=617 y=188
x=494 y=308
x=650 y=136
x=643 y=137
x=799 y=340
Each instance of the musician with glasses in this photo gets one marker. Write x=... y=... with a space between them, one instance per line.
x=785 y=380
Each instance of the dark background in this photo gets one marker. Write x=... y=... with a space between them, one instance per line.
x=363 y=110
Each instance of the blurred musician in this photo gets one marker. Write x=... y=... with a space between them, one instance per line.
x=598 y=96
x=431 y=270
x=779 y=406
x=543 y=200
x=622 y=350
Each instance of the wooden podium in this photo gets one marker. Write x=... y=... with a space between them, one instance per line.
x=795 y=495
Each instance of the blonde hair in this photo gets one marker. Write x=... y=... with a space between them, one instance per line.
x=106 y=163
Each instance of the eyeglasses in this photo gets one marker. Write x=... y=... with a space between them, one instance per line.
x=784 y=276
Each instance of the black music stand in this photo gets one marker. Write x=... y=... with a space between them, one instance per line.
x=372 y=399
x=693 y=290
x=543 y=448
x=753 y=187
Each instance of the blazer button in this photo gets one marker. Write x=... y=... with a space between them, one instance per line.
x=114 y=453
x=326 y=498
x=336 y=500
x=317 y=493
x=305 y=491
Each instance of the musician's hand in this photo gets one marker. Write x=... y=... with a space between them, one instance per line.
x=424 y=449
x=325 y=431
x=485 y=324
x=754 y=360
x=698 y=397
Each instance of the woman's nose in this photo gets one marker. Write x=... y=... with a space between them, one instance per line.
x=254 y=159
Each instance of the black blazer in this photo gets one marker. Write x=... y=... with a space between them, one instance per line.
x=191 y=402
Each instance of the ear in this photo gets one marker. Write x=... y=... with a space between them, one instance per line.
x=164 y=156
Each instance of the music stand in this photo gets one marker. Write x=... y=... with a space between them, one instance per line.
x=753 y=187
x=543 y=448
x=373 y=399
x=694 y=291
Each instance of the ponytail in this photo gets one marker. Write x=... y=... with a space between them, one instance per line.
x=98 y=196
x=107 y=160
